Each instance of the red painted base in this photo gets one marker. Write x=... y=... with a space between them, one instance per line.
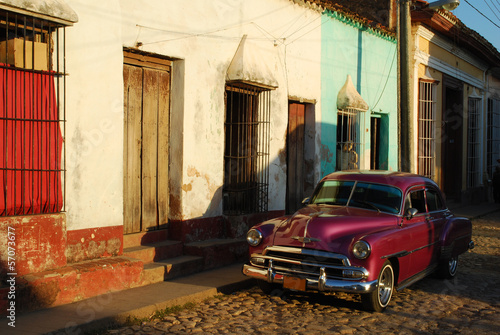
x=94 y=243
x=76 y=282
x=34 y=243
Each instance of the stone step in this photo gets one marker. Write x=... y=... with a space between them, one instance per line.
x=218 y=252
x=136 y=239
x=171 y=268
x=154 y=251
x=75 y=282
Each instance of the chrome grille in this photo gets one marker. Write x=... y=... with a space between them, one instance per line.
x=304 y=262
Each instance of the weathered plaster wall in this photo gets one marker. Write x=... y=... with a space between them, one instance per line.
x=201 y=37
x=205 y=36
x=370 y=59
x=94 y=113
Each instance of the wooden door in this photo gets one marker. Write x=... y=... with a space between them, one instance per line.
x=453 y=117
x=295 y=157
x=146 y=149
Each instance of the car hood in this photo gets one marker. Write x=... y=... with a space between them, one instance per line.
x=330 y=228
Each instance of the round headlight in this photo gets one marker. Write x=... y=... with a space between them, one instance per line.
x=361 y=249
x=254 y=237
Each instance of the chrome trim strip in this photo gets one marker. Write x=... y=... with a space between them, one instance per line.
x=320 y=284
x=311 y=264
x=406 y=253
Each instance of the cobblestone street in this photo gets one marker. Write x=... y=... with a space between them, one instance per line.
x=468 y=304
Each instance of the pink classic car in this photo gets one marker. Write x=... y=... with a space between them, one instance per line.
x=361 y=232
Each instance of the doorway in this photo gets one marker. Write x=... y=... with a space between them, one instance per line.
x=146 y=142
x=452 y=137
x=300 y=154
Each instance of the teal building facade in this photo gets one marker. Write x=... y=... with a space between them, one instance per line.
x=358 y=138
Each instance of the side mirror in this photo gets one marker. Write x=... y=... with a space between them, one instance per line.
x=410 y=213
x=306 y=201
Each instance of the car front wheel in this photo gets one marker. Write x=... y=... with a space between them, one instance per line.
x=379 y=299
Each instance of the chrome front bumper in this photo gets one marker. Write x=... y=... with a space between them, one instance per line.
x=322 y=283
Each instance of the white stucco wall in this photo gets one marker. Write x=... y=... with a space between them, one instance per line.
x=94 y=114
x=205 y=36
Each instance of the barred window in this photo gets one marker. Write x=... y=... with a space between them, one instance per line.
x=246 y=155
x=474 y=143
x=493 y=135
x=32 y=113
x=349 y=139
x=427 y=129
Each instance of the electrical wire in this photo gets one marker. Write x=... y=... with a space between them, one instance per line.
x=477 y=10
x=492 y=9
x=387 y=79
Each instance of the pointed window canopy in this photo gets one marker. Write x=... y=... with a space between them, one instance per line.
x=51 y=10
x=349 y=98
x=250 y=66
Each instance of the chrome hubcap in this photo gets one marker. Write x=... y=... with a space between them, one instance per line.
x=385 y=286
x=453 y=265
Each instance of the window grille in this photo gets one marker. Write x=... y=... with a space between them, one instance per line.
x=493 y=135
x=349 y=139
x=427 y=129
x=32 y=115
x=246 y=154
x=474 y=143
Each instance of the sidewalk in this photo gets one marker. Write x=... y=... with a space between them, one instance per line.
x=96 y=313
x=90 y=315
x=475 y=211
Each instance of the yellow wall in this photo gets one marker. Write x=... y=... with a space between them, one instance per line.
x=447 y=57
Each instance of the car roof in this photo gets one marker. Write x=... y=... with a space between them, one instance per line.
x=402 y=180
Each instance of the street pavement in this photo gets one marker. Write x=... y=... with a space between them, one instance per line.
x=468 y=304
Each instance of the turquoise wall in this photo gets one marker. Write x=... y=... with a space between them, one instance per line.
x=347 y=48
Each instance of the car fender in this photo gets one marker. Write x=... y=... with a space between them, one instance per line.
x=268 y=230
x=385 y=245
x=455 y=237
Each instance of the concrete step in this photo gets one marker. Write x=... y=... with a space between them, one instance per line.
x=75 y=282
x=154 y=236
x=218 y=252
x=154 y=251
x=171 y=268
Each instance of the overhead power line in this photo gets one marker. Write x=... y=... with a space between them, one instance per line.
x=477 y=10
x=487 y=4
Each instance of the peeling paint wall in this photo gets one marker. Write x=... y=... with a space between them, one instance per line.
x=38 y=243
x=201 y=37
x=94 y=113
x=206 y=35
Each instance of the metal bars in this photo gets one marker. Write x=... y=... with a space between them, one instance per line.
x=349 y=139
x=32 y=114
x=493 y=136
x=246 y=154
x=474 y=143
x=427 y=129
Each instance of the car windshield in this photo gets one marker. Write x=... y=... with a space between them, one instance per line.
x=382 y=198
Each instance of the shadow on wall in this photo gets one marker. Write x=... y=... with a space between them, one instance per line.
x=243 y=199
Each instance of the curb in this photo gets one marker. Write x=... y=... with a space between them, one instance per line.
x=112 y=310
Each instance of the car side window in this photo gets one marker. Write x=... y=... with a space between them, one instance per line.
x=417 y=199
x=434 y=202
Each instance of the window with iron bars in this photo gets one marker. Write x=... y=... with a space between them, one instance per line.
x=427 y=129
x=32 y=115
x=349 y=139
x=474 y=143
x=246 y=154
x=493 y=135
